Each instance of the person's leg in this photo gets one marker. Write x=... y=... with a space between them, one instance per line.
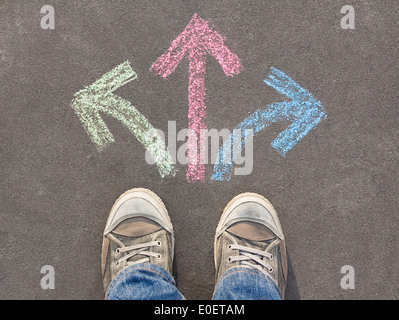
x=239 y=283
x=250 y=254
x=138 y=246
x=143 y=281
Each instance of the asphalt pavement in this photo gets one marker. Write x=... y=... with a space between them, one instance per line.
x=335 y=189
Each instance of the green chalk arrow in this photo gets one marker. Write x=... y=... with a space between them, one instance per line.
x=99 y=97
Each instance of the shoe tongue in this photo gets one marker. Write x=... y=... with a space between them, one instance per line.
x=252 y=231
x=136 y=227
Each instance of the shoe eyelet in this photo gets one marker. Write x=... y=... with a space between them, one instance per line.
x=118 y=251
x=271 y=257
x=159 y=243
x=159 y=256
x=117 y=263
x=229 y=247
x=270 y=270
x=229 y=259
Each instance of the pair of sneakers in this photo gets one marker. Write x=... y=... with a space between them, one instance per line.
x=139 y=230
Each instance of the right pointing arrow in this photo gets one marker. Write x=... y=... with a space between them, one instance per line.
x=99 y=97
x=303 y=110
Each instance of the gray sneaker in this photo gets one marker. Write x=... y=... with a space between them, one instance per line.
x=138 y=230
x=249 y=235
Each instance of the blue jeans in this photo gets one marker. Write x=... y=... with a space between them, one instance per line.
x=150 y=282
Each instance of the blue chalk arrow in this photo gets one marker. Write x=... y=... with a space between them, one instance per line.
x=303 y=110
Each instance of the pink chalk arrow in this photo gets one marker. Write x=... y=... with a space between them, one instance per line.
x=197 y=40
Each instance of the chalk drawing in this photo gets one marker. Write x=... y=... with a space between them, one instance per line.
x=99 y=97
x=197 y=40
x=303 y=110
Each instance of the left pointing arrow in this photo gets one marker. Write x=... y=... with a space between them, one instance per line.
x=99 y=97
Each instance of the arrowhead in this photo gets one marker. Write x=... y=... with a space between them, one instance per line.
x=197 y=39
x=304 y=110
x=90 y=100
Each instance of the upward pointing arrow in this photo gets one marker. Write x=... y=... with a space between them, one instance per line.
x=99 y=97
x=197 y=40
x=302 y=109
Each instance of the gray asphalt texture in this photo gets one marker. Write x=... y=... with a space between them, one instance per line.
x=336 y=191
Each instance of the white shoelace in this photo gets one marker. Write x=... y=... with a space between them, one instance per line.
x=247 y=253
x=141 y=249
